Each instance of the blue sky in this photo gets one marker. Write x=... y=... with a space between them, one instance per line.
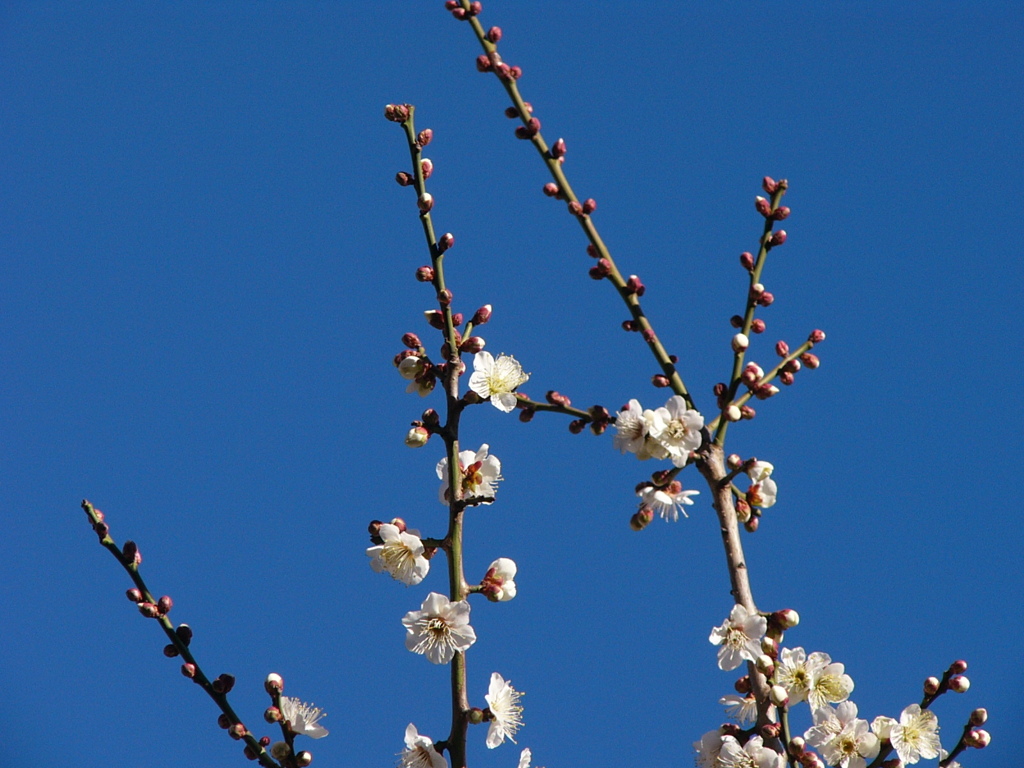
x=208 y=267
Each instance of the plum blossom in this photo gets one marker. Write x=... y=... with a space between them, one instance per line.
x=632 y=432
x=303 y=718
x=844 y=740
x=717 y=751
x=480 y=475
x=742 y=708
x=740 y=637
x=524 y=758
x=419 y=751
x=499 y=582
x=677 y=429
x=668 y=501
x=506 y=712
x=763 y=490
x=439 y=628
x=496 y=379
x=916 y=735
x=401 y=555
x=815 y=678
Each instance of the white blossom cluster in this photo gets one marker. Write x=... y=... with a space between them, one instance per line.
x=841 y=737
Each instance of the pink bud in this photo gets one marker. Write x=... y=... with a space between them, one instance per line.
x=769 y=185
x=417 y=437
x=482 y=315
x=511 y=113
x=304 y=758
x=149 y=610
x=558 y=149
x=592 y=251
x=959 y=683
x=752 y=524
x=766 y=299
x=423 y=137
x=551 y=189
x=733 y=460
x=427 y=166
x=404 y=179
x=472 y=344
x=649 y=335
x=589 y=205
x=188 y=669
x=435 y=318
x=634 y=285
x=780 y=213
x=757 y=325
x=763 y=206
x=274 y=683
x=457 y=319
x=425 y=274
x=720 y=389
x=164 y=604
x=411 y=340
x=810 y=360
x=978 y=738
x=447 y=241
x=575 y=208
x=788 y=618
x=397 y=113
x=444 y=297
x=786 y=378
x=475 y=8
x=747 y=413
x=577 y=425
x=641 y=519
x=425 y=202
x=237 y=731
x=817 y=337
x=494 y=34
x=777 y=238
x=515 y=73
x=747 y=260
x=459 y=13
x=781 y=348
x=130 y=552
x=660 y=381
x=134 y=595
x=979 y=716
x=527 y=414
x=170 y=650
x=483 y=63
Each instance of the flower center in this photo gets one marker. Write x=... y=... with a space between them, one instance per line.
x=676 y=430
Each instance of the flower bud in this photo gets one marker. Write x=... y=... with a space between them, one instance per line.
x=423 y=137
x=447 y=241
x=786 y=377
x=766 y=299
x=397 y=113
x=482 y=315
x=473 y=344
x=404 y=179
x=280 y=750
x=810 y=360
x=170 y=650
x=763 y=206
x=780 y=213
x=184 y=633
x=188 y=669
x=733 y=413
x=811 y=760
x=817 y=337
x=589 y=205
x=527 y=414
x=558 y=149
x=959 y=683
x=769 y=185
x=456 y=320
x=787 y=618
x=747 y=261
x=494 y=34
x=274 y=683
x=979 y=716
x=978 y=738
x=740 y=342
x=770 y=647
x=134 y=595
x=957 y=667
x=752 y=524
x=435 y=318
x=427 y=167
x=400 y=524
x=733 y=460
x=237 y=731
x=777 y=238
x=164 y=605
x=778 y=696
x=303 y=758
x=931 y=686
x=149 y=610
x=757 y=325
x=575 y=208
x=273 y=715
x=223 y=721
x=633 y=285
x=249 y=753
x=130 y=552
x=736 y=321
x=577 y=425
x=417 y=437
x=765 y=665
x=641 y=519
x=223 y=683
x=425 y=202
x=742 y=685
x=770 y=730
x=796 y=746
x=425 y=274
x=660 y=381
x=747 y=413
x=483 y=63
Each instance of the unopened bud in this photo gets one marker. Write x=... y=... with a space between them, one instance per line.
x=641 y=519
x=164 y=604
x=303 y=758
x=558 y=149
x=473 y=344
x=397 y=113
x=494 y=34
x=660 y=380
x=130 y=552
x=417 y=437
x=770 y=647
x=733 y=413
x=551 y=189
x=400 y=524
x=763 y=206
x=752 y=524
x=184 y=633
x=575 y=208
x=766 y=299
x=435 y=318
x=811 y=760
x=427 y=167
x=577 y=425
x=188 y=669
x=765 y=664
x=736 y=321
x=149 y=610
x=170 y=650
x=931 y=686
x=747 y=413
x=781 y=348
x=816 y=337
x=810 y=360
x=527 y=414
x=404 y=179
x=787 y=618
x=777 y=238
x=796 y=746
x=780 y=213
x=978 y=738
x=447 y=241
x=778 y=696
x=770 y=731
x=589 y=205
x=273 y=715
x=237 y=731
x=223 y=721
x=769 y=185
x=757 y=325
x=740 y=342
x=634 y=285
x=747 y=260
x=733 y=460
x=786 y=377
x=274 y=683
x=425 y=274
x=959 y=683
x=423 y=137
x=979 y=716
x=223 y=683
x=482 y=315
x=425 y=202
x=134 y=595
x=957 y=667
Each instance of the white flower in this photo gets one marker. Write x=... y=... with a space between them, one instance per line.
x=742 y=708
x=829 y=683
x=401 y=555
x=760 y=471
x=497 y=379
x=708 y=749
x=506 y=713
x=439 y=628
x=524 y=758
x=753 y=754
x=843 y=739
x=740 y=637
x=419 y=751
x=302 y=717
x=793 y=674
x=916 y=735
x=668 y=501
x=677 y=429
x=480 y=475
x=498 y=584
x=632 y=426
x=762 y=494
x=411 y=367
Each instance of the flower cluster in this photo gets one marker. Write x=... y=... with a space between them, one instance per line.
x=669 y=432
x=480 y=473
